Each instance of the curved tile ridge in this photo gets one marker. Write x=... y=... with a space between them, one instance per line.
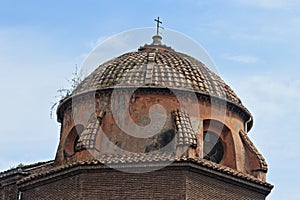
x=262 y=162
x=183 y=127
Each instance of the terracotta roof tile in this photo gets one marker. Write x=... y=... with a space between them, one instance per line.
x=87 y=138
x=158 y=69
x=27 y=169
x=183 y=127
x=149 y=158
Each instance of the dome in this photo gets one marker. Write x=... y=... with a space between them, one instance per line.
x=104 y=116
x=158 y=66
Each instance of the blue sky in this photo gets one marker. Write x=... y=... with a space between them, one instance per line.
x=255 y=45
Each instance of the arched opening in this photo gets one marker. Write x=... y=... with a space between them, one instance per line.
x=72 y=139
x=220 y=148
x=213 y=149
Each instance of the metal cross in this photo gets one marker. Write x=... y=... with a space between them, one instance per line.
x=157 y=25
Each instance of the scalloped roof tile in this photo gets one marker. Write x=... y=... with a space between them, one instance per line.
x=150 y=67
x=183 y=127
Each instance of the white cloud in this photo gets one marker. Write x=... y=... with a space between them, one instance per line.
x=271 y=95
x=243 y=59
x=274 y=101
x=269 y=4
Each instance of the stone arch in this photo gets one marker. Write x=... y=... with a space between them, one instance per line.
x=225 y=137
x=71 y=140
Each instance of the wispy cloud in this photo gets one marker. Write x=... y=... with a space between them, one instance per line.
x=243 y=59
x=269 y=4
x=270 y=95
x=273 y=99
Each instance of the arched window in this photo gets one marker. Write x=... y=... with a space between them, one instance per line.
x=212 y=147
x=72 y=139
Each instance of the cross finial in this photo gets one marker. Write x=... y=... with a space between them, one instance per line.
x=157 y=25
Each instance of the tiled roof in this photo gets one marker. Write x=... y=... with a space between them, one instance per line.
x=27 y=169
x=87 y=138
x=135 y=158
x=157 y=69
x=250 y=145
x=183 y=127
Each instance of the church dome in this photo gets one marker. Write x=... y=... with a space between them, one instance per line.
x=130 y=105
x=158 y=66
x=144 y=118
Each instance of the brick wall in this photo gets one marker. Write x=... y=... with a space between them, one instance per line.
x=118 y=185
x=8 y=187
x=66 y=188
x=201 y=187
x=9 y=192
x=112 y=185
x=168 y=183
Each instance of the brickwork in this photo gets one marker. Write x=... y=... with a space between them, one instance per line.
x=200 y=187
x=9 y=192
x=121 y=185
x=168 y=183
x=65 y=188
x=103 y=184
